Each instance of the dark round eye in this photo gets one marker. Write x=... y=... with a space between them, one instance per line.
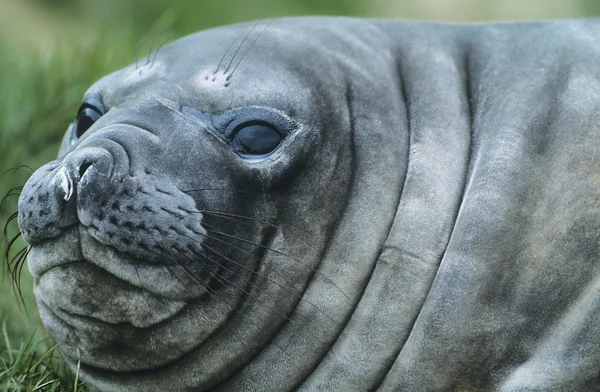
x=87 y=115
x=256 y=139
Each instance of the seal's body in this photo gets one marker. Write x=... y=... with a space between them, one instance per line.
x=331 y=204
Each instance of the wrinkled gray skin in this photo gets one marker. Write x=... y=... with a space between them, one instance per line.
x=431 y=222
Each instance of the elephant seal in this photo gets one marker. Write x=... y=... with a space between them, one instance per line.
x=331 y=204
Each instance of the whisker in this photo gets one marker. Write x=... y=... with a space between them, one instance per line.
x=164 y=42
x=278 y=252
x=16 y=191
x=212 y=238
x=137 y=273
x=245 y=267
x=11 y=218
x=137 y=51
x=240 y=46
x=312 y=270
x=152 y=43
x=220 y=279
x=14 y=267
x=210 y=291
x=247 y=50
x=19 y=263
x=9 y=244
x=289 y=286
x=22 y=168
x=227 y=51
x=222 y=189
x=234 y=219
x=229 y=259
x=237 y=218
x=240 y=219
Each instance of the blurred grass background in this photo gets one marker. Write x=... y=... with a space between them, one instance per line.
x=52 y=50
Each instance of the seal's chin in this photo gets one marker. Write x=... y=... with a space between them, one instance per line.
x=110 y=320
x=118 y=347
x=77 y=292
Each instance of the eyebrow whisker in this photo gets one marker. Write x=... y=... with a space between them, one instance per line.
x=240 y=46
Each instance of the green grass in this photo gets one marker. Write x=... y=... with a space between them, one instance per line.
x=35 y=366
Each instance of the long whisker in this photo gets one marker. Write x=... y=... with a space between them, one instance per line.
x=14 y=265
x=16 y=191
x=238 y=219
x=221 y=189
x=152 y=43
x=137 y=51
x=210 y=291
x=289 y=286
x=227 y=258
x=277 y=252
x=248 y=49
x=227 y=51
x=220 y=279
x=18 y=262
x=9 y=244
x=262 y=246
x=164 y=42
x=208 y=248
x=227 y=215
x=22 y=168
x=211 y=237
x=240 y=46
x=137 y=273
x=11 y=218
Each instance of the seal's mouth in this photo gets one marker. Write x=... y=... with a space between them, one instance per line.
x=80 y=290
x=78 y=244
x=118 y=313
x=81 y=278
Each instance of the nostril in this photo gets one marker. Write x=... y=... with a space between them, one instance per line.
x=83 y=168
x=77 y=164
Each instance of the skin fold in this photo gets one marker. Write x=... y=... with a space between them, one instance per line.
x=428 y=220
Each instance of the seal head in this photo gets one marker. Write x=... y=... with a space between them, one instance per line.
x=193 y=200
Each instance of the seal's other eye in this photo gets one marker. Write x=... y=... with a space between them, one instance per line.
x=256 y=139
x=89 y=112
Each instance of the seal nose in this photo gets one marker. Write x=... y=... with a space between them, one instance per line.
x=83 y=167
x=51 y=197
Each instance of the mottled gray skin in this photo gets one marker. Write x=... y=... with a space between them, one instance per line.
x=430 y=223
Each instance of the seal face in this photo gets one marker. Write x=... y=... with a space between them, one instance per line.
x=330 y=204
x=161 y=231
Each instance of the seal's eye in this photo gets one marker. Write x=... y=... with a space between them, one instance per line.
x=256 y=139
x=89 y=112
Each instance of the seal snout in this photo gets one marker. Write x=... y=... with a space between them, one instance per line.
x=132 y=223
x=50 y=198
